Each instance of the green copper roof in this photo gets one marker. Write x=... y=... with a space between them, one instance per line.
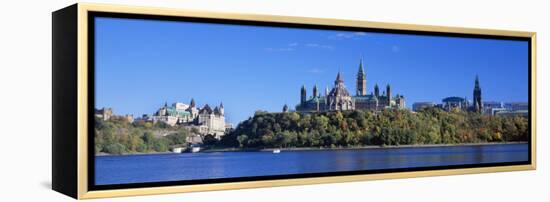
x=179 y=113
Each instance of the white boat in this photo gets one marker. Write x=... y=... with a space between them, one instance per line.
x=177 y=150
x=276 y=151
x=195 y=149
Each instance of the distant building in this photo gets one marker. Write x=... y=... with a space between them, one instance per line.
x=177 y=113
x=494 y=111
x=516 y=106
x=489 y=108
x=104 y=113
x=339 y=98
x=228 y=127
x=213 y=119
x=285 y=108
x=417 y=106
x=107 y=114
x=494 y=108
x=512 y=113
x=206 y=120
x=455 y=103
x=144 y=118
x=493 y=104
x=462 y=104
x=129 y=118
x=512 y=109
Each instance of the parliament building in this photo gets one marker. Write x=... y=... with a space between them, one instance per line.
x=339 y=98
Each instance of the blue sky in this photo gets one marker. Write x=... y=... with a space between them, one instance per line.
x=141 y=64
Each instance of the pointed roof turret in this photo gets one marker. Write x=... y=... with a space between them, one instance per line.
x=192 y=104
x=339 y=77
x=206 y=109
x=217 y=110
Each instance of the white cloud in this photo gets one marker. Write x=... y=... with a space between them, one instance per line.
x=293 y=46
x=348 y=35
x=283 y=49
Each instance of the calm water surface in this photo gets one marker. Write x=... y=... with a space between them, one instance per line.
x=189 y=166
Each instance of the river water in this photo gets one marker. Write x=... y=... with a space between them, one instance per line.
x=190 y=166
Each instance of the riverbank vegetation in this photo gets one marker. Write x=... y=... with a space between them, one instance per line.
x=363 y=128
x=117 y=136
x=390 y=127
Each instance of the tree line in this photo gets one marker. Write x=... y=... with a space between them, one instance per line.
x=361 y=128
x=117 y=136
x=319 y=129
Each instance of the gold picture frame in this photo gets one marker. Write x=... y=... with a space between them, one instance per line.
x=75 y=20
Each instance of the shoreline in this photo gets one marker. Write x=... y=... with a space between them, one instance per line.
x=322 y=148
x=361 y=147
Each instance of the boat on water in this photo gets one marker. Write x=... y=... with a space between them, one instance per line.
x=177 y=150
x=276 y=151
x=193 y=149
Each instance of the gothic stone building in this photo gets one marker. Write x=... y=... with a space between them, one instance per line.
x=206 y=120
x=338 y=98
x=212 y=121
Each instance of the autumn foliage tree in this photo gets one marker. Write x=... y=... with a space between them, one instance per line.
x=360 y=128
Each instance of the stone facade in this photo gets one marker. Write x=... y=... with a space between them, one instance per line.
x=206 y=120
x=104 y=113
x=340 y=99
x=213 y=119
x=177 y=113
x=455 y=104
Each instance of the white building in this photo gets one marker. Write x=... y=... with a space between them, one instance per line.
x=206 y=120
x=213 y=119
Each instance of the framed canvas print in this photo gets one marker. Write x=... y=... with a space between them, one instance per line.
x=151 y=100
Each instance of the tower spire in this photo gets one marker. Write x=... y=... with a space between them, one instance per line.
x=361 y=70
x=361 y=80
x=315 y=91
x=339 y=79
x=303 y=94
x=388 y=94
x=376 y=90
x=478 y=106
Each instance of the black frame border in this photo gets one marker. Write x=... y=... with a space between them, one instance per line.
x=91 y=98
